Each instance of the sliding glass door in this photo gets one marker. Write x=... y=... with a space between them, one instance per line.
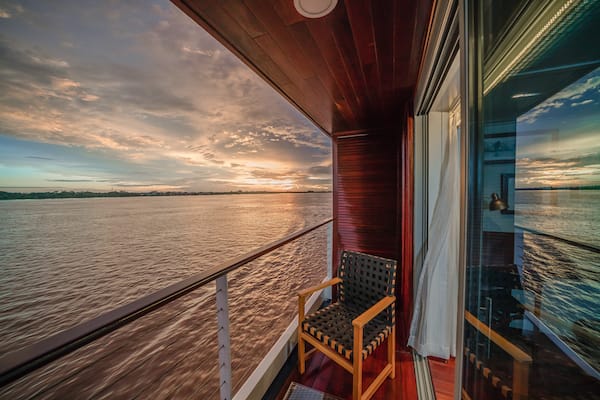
x=532 y=281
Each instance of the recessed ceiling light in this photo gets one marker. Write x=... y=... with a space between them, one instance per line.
x=314 y=8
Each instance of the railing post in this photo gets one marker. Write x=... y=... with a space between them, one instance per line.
x=327 y=292
x=520 y=380
x=223 y=338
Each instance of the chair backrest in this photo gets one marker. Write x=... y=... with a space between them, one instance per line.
x=366 y=279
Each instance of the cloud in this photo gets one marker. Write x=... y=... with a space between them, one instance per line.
x=581 y=103
x=557 y=163
x=40 y=158
x=320 y=170
x=150 y=91
x=70 y=180
x=26 y=66
x=10 y=10
x=581 y=170
x=588 y=86
x=207 y=53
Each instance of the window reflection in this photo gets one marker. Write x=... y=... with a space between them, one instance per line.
x=558 y=198
x=533 y=270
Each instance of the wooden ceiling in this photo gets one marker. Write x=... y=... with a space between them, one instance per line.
x=348 y=71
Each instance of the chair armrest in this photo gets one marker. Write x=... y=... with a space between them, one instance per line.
x=306 y=292
x=365 y=317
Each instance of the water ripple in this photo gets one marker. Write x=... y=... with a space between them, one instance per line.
x=66 y=261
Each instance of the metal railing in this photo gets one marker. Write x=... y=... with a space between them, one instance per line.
x=521 y=360
x=17 y=364
x=533 y=313
x=582 y=245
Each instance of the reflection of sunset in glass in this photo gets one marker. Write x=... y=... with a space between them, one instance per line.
x=558 y=141
x=137 y=97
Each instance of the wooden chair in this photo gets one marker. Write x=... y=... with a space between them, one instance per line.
x=361 y=319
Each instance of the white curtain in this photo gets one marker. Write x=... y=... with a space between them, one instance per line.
x=433 y=326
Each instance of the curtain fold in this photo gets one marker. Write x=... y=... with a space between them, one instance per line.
x=433 y=326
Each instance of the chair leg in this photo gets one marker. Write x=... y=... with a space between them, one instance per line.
x=301 y=354
x=391 y=347
x=357 y=378
x=357 y=363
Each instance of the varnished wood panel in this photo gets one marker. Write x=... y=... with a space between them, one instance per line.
x=373 y=202
x=366 y=200
x=361 y=22
x=246 y=19
x=350 y=70
x=405 y=222
x=365 y=195
x=383 y=14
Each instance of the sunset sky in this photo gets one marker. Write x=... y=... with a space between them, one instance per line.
x=136 y=96
x=558 y=141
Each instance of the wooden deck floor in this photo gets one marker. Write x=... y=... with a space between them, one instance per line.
x=325 y=375
x=442 y=376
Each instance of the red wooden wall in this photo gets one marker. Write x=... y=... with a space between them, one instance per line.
x=372 y=202
x=365 y=203
x=407 y=214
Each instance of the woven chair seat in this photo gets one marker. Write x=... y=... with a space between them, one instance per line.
x=332 y=326
x=366 y=284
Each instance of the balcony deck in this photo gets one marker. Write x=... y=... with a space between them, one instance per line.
x=325 y=375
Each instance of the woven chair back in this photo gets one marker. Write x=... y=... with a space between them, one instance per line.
x=366 y=279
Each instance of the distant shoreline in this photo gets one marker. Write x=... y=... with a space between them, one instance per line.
x=593 y=187
x=90 y=195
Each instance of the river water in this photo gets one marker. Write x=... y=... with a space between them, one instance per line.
x=66 y=261
x=563 y=277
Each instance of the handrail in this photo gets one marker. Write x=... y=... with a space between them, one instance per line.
x=521 y=360
x=515 y=352
x=582 y=245
x=21 y=362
